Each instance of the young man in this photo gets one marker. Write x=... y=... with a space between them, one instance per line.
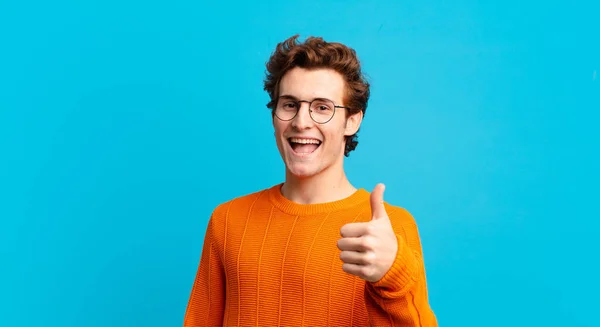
x=313 y=250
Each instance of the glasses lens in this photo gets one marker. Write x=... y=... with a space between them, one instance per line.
x=321 y=111
x=286 y=109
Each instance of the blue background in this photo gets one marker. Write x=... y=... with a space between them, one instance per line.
x=123 y=124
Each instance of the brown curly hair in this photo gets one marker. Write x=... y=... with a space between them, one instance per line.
x=314 y=52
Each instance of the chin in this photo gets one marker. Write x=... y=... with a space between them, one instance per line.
x=302 y=169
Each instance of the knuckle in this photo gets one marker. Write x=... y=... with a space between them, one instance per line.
x=371 y=257
x=368 y=243
x=371 y=228
x=368 y=258
x=365 y=243
x=366 y=271
x=365 y=261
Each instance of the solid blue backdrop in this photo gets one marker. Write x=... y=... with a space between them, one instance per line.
x=123 y=124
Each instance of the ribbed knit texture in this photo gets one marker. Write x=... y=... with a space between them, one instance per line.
x=268 y=261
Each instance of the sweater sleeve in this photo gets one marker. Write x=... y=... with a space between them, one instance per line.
x=400 y=298
x=207 y=301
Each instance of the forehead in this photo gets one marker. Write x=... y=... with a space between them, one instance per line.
x=308 y=84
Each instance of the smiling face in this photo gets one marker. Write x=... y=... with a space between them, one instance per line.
x=306 y=147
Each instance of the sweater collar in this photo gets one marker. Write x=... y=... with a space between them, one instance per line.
x=293 y=208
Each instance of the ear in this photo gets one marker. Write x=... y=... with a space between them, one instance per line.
x=353 y=123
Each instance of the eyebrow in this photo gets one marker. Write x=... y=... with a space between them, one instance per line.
x=287 y=96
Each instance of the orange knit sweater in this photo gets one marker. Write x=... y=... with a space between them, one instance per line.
x=268 y=261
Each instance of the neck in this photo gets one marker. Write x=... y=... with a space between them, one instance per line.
x=327 y=186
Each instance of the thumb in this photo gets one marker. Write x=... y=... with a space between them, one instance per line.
x=377 y=207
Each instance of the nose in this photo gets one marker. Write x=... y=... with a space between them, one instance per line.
x=303 y=119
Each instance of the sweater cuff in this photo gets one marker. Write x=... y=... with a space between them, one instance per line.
x=402 y=275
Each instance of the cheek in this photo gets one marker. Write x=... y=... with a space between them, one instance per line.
x=279 y=129
x=335 y=135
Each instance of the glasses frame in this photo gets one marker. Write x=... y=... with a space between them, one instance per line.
x=309 y=110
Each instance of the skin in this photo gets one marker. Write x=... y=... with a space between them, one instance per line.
x=318 y=177
x=368 y=249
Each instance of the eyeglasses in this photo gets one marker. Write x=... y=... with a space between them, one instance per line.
x=320 y=110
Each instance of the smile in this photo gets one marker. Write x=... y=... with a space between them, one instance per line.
x=303 y=146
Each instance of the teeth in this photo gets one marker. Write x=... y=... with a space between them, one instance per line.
x=304 y=141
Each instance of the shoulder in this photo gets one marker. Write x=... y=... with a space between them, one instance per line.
x=228 y=217
x=404 y=224
x=239 y=204
x=398 y=214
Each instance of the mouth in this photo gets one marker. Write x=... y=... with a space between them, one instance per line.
x=303 y=146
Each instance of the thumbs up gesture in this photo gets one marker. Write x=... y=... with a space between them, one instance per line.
x=369 y=248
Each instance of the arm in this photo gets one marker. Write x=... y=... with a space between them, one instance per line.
x=207 y=301
x=400 y=297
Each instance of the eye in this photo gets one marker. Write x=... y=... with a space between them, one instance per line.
x=289 y=105
x=322 y=106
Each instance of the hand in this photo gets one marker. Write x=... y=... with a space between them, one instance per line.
x=369 y=248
